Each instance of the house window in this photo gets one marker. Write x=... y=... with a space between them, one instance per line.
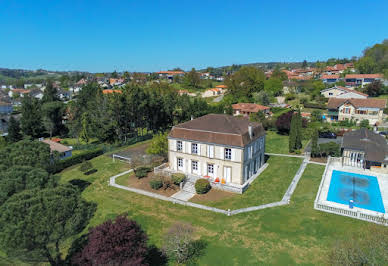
x=228 y=154
x=194 y=165
x=194 y=148
x=179 y=145
x=180 y=162
x=210 y=151
x=346 y=110
x=210 y=168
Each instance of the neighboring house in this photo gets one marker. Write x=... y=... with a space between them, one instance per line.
x=365 y=149
x=64 y=95
x=228 y=150
x=20 y=92
x=170 y=74
x=81 y=82
x=183 y=92
x=247 y=109
x=6 y=108
x=361 y=80
x=356 y=109
x=38 y=94
x=116 y=82
x=109 y=91
x=64 y=151
x=330 y=78
x=212 y=92
x=343 y=92
x=224 y=87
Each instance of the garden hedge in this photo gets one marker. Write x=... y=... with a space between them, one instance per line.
x=202 y=186
x=76 y=159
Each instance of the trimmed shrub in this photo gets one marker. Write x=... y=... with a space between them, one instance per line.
x=156 y=183
x=142 y=171
x=85 y=166
x=202 y=186
x=178 y=178
x=75 y=159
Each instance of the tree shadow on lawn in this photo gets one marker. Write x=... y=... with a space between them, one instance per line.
x=81 y=184
x=156 y=257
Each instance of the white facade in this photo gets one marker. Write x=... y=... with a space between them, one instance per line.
x=230 y=164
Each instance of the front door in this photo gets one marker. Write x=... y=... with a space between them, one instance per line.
x=228 y=174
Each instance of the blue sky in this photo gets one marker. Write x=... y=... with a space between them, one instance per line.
x=93 y=35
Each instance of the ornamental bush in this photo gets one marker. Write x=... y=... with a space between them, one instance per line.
x=178 y=178
x=142 y=171
x=85 y=166
x=156 y=183
x=202 y=186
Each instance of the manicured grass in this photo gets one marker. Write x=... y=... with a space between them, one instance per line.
x=287 y=235
x=276 y=143
x=269 y=187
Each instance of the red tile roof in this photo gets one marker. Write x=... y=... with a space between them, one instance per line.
x=371 y=103
x=249 y=107
x=363 y=76
x=171 y=72
x=330 y=77
x=109 y=91
x=221 y=86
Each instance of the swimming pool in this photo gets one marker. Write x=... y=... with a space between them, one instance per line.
x=364 y=190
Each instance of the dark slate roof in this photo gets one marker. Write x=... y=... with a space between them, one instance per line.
x=374 y=145
x=218 y=129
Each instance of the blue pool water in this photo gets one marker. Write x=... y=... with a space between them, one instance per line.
x=364 y=190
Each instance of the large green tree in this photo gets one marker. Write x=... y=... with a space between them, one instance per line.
x=31 y=120
x=192 y=79
x=50 y=93
x=27 y=153
x=52 y=117
x=35 y=223
x=19 y=178
x=14 y=131
x=245 y=82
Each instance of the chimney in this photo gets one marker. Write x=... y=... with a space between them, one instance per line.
x=250 y=131
x=192 y=118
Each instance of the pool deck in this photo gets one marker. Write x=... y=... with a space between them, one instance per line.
x=321 y=203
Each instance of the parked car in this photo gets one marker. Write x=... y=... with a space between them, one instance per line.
x=384 y=133
x=327 y=135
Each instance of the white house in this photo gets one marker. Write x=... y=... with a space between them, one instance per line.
x=343 y=92
x=228 y=150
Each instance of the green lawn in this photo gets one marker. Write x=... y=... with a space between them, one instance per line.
x=276 y=143
x=286 y=235
x=269 y=187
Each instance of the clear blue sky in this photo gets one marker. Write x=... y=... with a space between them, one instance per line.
x=143 y=35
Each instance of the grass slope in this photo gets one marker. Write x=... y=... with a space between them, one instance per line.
x=276 y=143
x=289 y=235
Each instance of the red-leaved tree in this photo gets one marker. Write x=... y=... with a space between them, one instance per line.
x=118 y=242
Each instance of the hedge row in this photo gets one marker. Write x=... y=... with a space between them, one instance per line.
x=315 y=105
x=76 y=159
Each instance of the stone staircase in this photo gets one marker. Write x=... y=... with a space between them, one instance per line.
x=189 y=187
